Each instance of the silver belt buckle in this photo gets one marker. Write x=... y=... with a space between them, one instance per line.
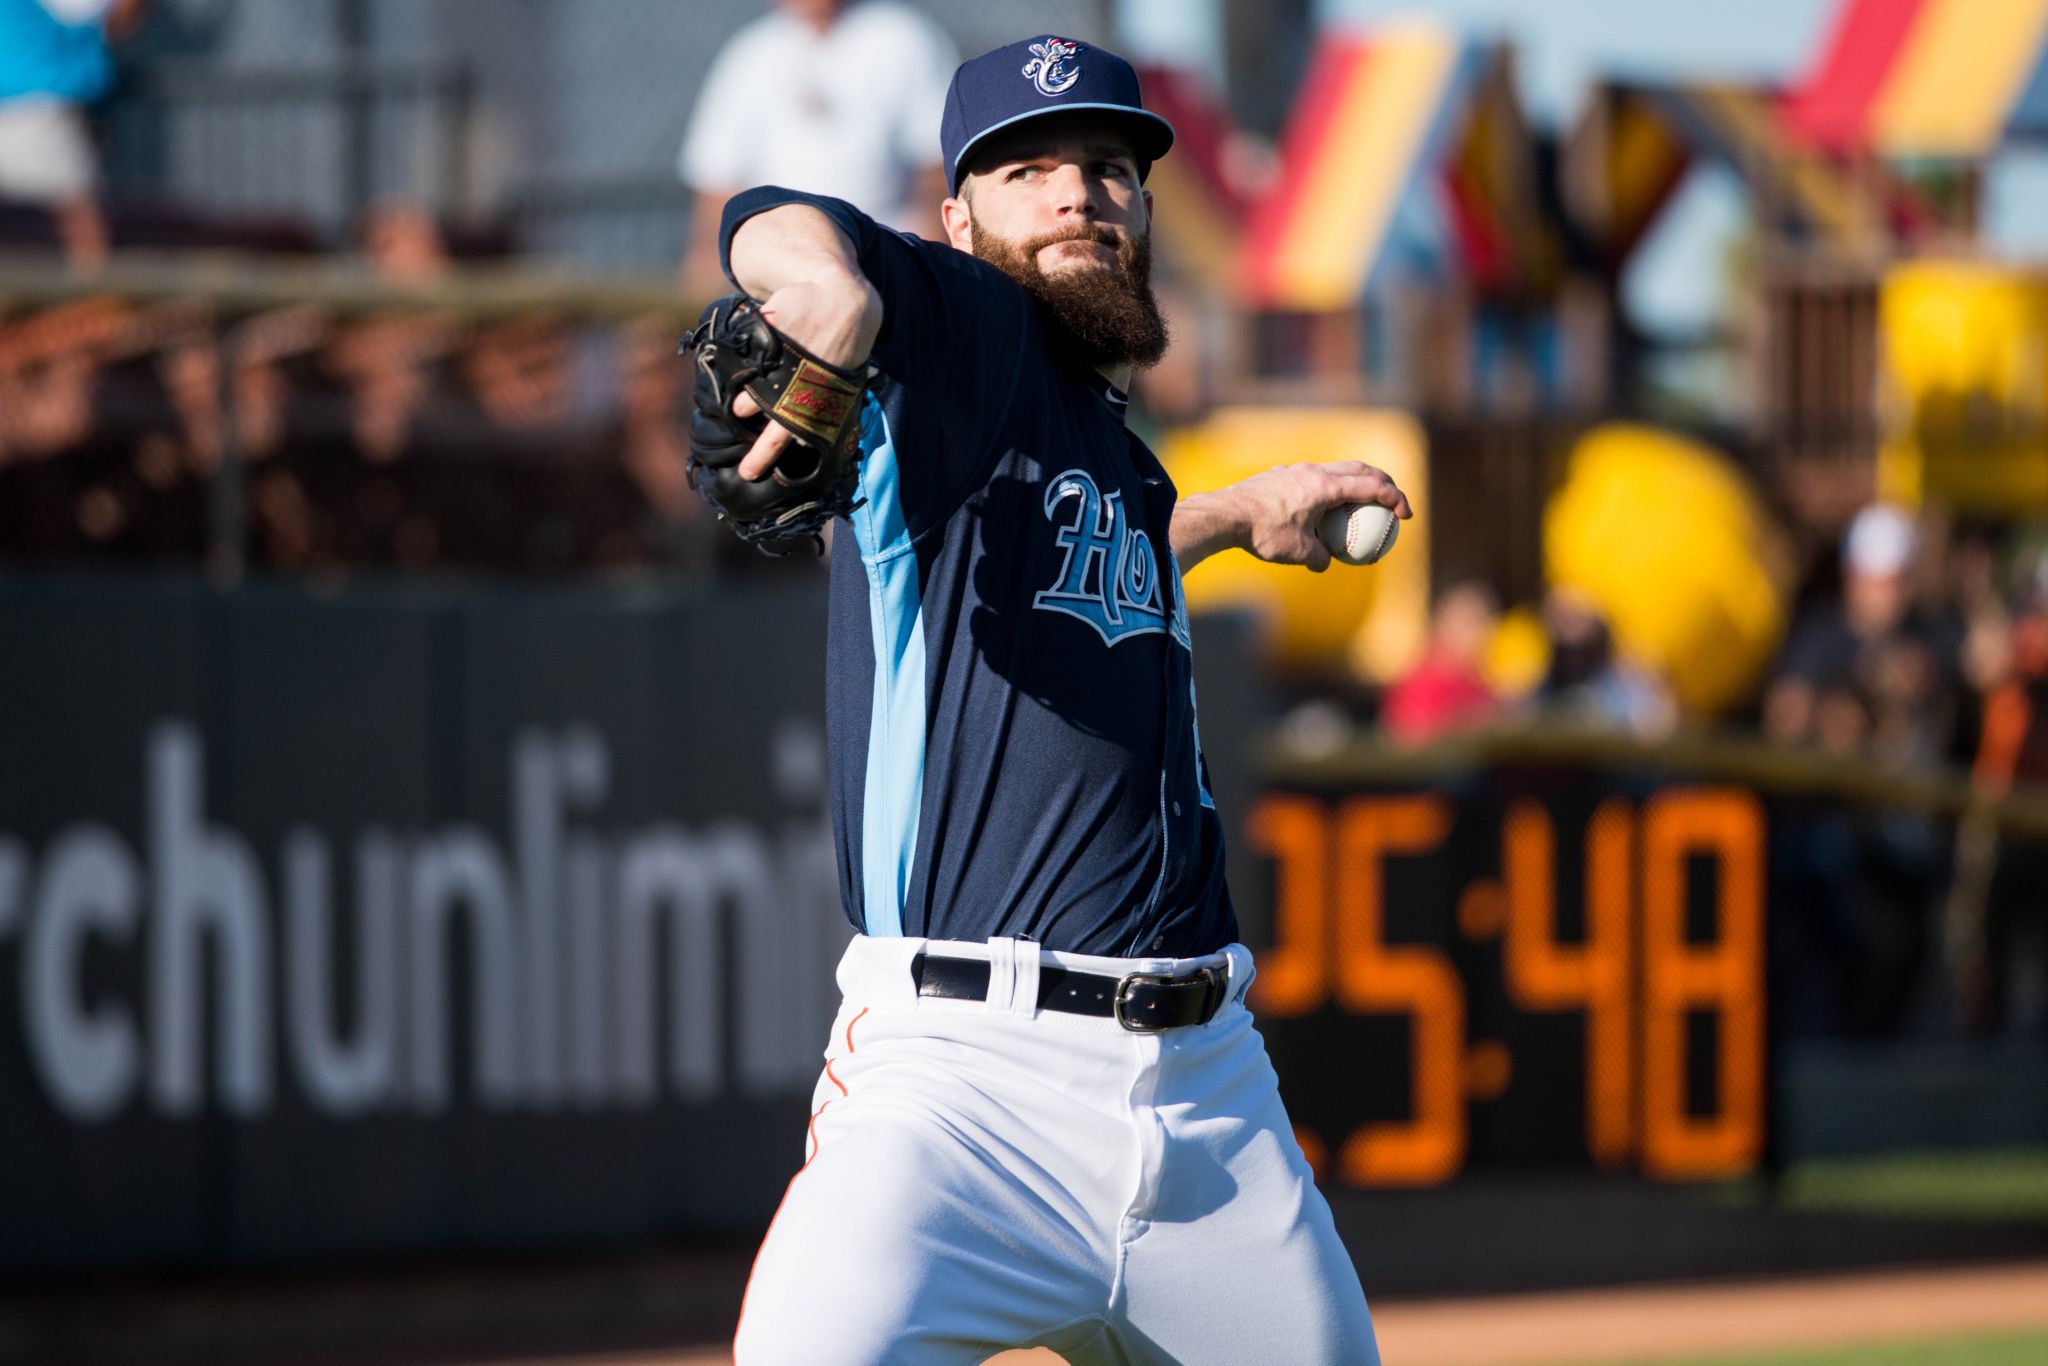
x=1123 y=989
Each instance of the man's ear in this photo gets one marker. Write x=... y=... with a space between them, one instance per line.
x=959 y=219
x=1148 y=209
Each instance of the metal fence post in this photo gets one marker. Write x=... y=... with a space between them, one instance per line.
x=227 y=540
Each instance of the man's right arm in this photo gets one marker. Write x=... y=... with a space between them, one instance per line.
x=945 y=329
x=804 y=270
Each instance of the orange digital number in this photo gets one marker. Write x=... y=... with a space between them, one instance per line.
x=1294 y=974
x=1724 y=976
x=1542 y=974
x=1413 y=979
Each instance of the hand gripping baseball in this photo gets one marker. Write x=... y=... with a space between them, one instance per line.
x=734 y=352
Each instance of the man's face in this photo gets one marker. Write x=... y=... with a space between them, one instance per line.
x=1058 y=207
x=1876 y=603
x=819 y=14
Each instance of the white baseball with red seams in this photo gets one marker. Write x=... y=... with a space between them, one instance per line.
x=1358 y=533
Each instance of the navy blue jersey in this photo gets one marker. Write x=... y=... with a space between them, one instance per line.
x=1011 y=712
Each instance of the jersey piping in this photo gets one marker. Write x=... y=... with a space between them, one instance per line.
x=896 y=728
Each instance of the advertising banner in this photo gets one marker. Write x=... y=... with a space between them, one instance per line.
x=403 y=920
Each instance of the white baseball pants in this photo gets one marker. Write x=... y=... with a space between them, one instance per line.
x=986 y=1175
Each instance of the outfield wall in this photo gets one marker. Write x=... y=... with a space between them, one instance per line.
x=399 y=919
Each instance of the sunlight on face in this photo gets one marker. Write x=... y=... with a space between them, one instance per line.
x=1075 y=191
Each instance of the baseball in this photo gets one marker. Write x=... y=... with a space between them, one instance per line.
x=1358 y=533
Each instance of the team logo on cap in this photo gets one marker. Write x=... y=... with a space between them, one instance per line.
x=1048 y=67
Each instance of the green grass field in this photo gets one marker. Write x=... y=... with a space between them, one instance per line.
x=1997 y=1185
x=2002 y=1349
x=2008 y=1185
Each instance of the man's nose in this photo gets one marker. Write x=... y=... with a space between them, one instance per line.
x=1074 y=192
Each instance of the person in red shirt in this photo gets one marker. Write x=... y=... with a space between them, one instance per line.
x=1447 y=690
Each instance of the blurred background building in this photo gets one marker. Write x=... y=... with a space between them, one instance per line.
x=1655 y=840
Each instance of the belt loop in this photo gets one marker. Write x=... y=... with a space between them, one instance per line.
x=1243 y=968
x=1024 y=997
x=1002 y=973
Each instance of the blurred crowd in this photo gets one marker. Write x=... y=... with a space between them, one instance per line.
x=400 y=437
x=365 y=440
x=1480 y=668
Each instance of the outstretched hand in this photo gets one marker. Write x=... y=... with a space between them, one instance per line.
x=1274 y=515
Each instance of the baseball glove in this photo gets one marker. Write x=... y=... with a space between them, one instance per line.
x=734 y=350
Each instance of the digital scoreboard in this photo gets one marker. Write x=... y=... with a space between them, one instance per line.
x=1523 y=970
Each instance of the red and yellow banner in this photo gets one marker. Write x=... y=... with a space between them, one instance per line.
x=1371 y=117
x=1926 y=78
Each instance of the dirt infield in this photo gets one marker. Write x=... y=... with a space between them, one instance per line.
x=1584 y=1327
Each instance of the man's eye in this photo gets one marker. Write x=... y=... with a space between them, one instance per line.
x=1112 y=170
x=1022 y=172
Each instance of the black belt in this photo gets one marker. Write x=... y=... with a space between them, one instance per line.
x=1142 y=1002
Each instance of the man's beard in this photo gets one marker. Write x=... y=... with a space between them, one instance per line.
x=1099 y=316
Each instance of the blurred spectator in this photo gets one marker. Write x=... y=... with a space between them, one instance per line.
x=2000 y=937
x=1867 y=676
x=404 y=243
x=1446 y=690
x=1970 y=588
x=1587 y=681
x=54 y=60
x=828 y=96
x=1868 y=673
x=388 y=361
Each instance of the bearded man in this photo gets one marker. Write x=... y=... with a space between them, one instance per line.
x=1045 y=1116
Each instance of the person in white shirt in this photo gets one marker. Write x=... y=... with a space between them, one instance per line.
x=826 y=96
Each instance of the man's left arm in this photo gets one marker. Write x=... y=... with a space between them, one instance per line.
x=1274 y=515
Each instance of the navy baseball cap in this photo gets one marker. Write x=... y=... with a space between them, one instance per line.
x=1040 y=76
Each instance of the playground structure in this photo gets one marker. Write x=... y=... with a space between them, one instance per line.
x=1422 y=246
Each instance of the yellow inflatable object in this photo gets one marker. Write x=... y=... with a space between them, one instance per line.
x=1314 y=618
x=1671 y=543
x=1517 y=654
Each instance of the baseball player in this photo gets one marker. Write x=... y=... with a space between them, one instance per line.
x=1045 y=1116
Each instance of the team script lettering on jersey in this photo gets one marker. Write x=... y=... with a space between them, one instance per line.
x=1109 y=577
